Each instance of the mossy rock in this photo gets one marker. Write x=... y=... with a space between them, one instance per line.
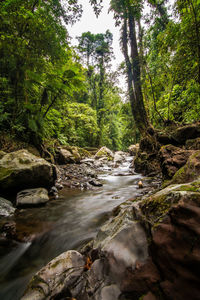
x=83 y=153
x=156 y=207
x=190 y=171
x=21 y=169
x=105 y=152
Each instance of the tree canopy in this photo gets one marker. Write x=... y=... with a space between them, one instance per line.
x=51 y=90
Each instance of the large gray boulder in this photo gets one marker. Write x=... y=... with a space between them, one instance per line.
x=32 y=197
x=21 y=170
x=6 y=208
x=56 y=277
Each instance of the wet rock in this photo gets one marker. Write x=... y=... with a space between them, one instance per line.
x=105 y=153
x=32 y=197
x=87 y=161
x=59 y=186
x=119 y=157
x=6 y=208
x=21 y=169
x=77 y=175
x=58 y=277
x=172 y=158
x=95 y=183
x=133 y=149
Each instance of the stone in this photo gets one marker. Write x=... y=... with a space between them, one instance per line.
x=123 y=243
x=64 y=156
x=95 y=182
x=193 y=144
x=172 y=158
x=175 y=248
x=21 y=170
x=119 y=157
x=133 y=149
x=57 y=277
x=6 y=208
x=146 y=164
x=32 y=197
x=182 y=134
x=104 y=152
x=189 y=171
x=2 y=153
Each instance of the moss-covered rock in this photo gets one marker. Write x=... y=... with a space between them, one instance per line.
x=21 y=169
x=104 y=152
x=172 y=158
x=156 y=207
x=189 y=171
x=184 y=133
x=146 y=163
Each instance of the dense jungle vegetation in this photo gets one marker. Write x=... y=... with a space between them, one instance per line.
x=51 y=91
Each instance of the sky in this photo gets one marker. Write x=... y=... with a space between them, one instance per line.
x=105 y=21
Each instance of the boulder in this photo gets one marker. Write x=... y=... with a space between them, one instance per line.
x=172 y=158
x=32 y=197
x=189 y=171
x=104 y=152
x=119 y=157
x=133 y=149
x=193 y=144
x=21 y=169
x=146 y=164
x=58 y=277
x=182 y=134
x=6 y=208
x=64 y=156
x=175 y=244
x=67 y=154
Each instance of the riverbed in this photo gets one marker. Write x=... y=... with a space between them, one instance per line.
x=65 y=223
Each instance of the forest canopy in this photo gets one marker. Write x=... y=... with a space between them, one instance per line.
x=50 y=90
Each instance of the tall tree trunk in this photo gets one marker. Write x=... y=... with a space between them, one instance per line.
x=137 y=103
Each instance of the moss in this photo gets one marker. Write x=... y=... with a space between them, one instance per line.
x=84 y=153
x=56 y=263
x=24 y=161
x=156 y=207
x=5 y=172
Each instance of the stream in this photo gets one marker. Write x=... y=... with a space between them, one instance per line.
x=65 y=223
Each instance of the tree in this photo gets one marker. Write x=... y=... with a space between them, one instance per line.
x=97 y=50
x=127 y=13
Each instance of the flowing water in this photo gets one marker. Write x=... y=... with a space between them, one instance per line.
x=62 y=224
